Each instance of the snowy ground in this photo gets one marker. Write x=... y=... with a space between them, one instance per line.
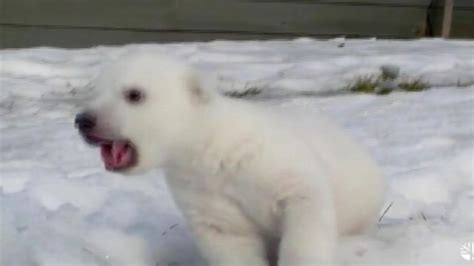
x=59 y=207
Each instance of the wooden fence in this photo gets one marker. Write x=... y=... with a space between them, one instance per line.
x=83 y=23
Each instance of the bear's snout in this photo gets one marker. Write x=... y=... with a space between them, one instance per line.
x=85 y=122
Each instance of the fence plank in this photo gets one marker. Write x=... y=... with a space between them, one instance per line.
x=23 y=37
x=251 y=17
x=422 y=3
x=458 y=4
x=462 y=24
x=447 y=18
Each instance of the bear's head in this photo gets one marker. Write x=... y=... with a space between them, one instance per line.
x=146 y=106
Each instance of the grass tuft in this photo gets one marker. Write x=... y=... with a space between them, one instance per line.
x=385 y=83
x=413 y=85
x=366 y=84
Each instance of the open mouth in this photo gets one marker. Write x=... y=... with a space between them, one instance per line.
x=117 y=154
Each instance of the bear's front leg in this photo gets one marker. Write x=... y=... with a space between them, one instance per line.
x=221 y=248
x=309 y=230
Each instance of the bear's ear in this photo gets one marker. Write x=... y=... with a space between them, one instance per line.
x=199 y=94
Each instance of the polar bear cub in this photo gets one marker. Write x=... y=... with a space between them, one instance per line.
x=254 y=189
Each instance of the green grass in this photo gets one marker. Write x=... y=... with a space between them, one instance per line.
x=413 y=85
x=365 y=84
x=374 y=84
x=381 y=84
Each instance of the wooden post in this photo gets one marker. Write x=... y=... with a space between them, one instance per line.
x=447 y=18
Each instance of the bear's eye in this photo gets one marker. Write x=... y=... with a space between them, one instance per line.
x=134 y=95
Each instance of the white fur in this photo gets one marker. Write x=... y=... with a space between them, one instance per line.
x=244 y=178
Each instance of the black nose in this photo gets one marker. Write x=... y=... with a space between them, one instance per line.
x=85 y=122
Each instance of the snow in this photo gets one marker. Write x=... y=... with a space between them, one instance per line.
x=59 y=207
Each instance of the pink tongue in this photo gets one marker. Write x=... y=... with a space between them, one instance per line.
x=116 y=155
